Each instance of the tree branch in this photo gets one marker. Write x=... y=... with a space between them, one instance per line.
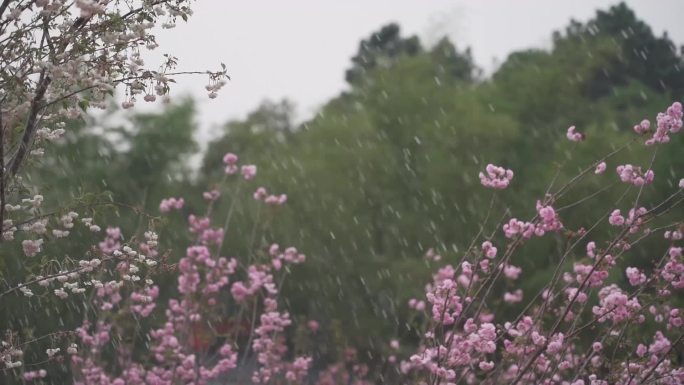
x=3 y=6
x=30 y=129
x=2 y=176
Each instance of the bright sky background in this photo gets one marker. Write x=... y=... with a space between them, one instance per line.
x=299 y=49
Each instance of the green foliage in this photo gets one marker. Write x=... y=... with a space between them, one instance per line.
x=389 y=169
x=641 y=55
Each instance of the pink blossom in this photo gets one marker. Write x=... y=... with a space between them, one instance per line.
x=249 y=171
x=496 y=177
x=231 y=169
x=512 y=272
x=556 y=343
x=591 y=246
x=446 y=304
x=489 y=250
x=276 y=199
x=574 y=136
x=642 y=127
x=260 y=193
x=635 y=276
x=615 y=305
x=313 y=325
x=111 y=241
x=669 y=122
x=660 y=344
x=616 y=219
x=675 y=321
x=212 y=236
x=573 y=294
x=416 y=304
x=31 y=247
x=169 y=204
x=515 y=297
x=641 y=350
x=633 y=175
x=431 y=255
x=549 y=219
x=198 y=224
x=211 y=195
x=230 y=158
x=516 y=227
x=600 y=168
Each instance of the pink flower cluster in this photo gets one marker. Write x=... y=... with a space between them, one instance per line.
x=184 y=348
x=617 y=306
x=290 y=255
x=634 y=220
x=516 y=227
x=169 y=204
x=230 y=161
x=633 y=175
x=144 y=300
x=111 y=242
x=431 y=255
x=643 y=127
x=446 y=304
x=545 y=344
x=269 y=344
x=258 y=279
x=496 y=177
x=345 y=371
x=262 y=195
x=248 y=171
x=465 y=348
x=418 y=305
x=548 y=221
x=211 y=195
x=600 y=168
x=635 y=276
x=199 y=267
x=198 y=224
x=35 y=374
x=573 y=135
x=489 y=249
x=668 y=122
x=593 y=276
x=31 y=247
x=673 y=271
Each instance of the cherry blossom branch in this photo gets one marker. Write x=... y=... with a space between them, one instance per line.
x=660 y=361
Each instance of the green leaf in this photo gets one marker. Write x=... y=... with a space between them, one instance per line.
x=84 y=104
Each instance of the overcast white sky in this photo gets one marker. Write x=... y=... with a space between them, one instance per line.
x=299 y=49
